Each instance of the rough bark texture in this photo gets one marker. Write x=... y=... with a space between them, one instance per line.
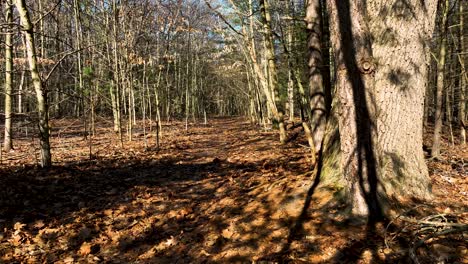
x=41 y=95
x=400 y=32
x=381 y=76
x=354 y=77
x=435 y=152
x=7 y=143
x=317 y=111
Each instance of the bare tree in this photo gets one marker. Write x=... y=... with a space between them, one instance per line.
x=41 y=93
x=7 y=143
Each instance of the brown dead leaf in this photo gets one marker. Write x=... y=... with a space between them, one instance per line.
x=39 y=224
x=18 y=226
x=85 y=249
x=69 y=260
x=227 y=233
x=16 y=240
x=206 y=254
x=108 y=212
x=171 y=241
x=113 y=235
x=166 y=244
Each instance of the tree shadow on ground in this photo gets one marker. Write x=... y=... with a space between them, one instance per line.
x=188 y=205
x=180 y=207
x=63 y=194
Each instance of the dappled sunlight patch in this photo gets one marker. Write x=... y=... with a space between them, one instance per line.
x=204 y=197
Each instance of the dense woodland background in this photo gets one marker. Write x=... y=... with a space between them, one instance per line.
x=163 y=60
x=371 y=105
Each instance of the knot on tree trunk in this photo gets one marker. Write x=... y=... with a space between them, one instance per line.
x=367 y=66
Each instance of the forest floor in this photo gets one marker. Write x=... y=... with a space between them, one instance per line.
x=225 y=192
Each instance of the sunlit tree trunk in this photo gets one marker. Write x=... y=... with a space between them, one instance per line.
x=187 y=82
x=79 y=61
x=42 y=47
x=317 y=110
x=41 y=93
x=20 y=92
x=290 y=40
x=115 y=90
x=381 y=77
x=400 y=88
x=7 y=143
x=156 y=100
x=113 y=85
x=272 y=69
x=252 y=110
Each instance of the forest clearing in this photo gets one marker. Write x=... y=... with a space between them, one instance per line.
x=233 y=131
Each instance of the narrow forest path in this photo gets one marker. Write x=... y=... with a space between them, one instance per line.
x=221 y=193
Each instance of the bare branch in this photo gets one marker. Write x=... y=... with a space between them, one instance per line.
x=223 y=18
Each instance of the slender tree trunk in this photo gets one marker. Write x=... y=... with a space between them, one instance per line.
x=252 y=112
x=20 y=92
x=41 y=28
x=463 y=80
x=143 y=105
x=249 y=42
x=113 y=87
x=270 y=103
x=435 y=152
x=79 y=60
x=271 y=68
x=8 y=143
x=41 y=93
x=448 y=110
x=116 y=91
x=290 y=39
x=156 y=98
x=147 y=93
x=92 y=102
x=427 y=100
x=187 y=85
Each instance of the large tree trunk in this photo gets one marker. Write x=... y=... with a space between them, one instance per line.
x=435 y=152
x=400 y=50
x=381 y=78
x=41 y=93
x=7 y=144
x=355 y=84
x=318 y=110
